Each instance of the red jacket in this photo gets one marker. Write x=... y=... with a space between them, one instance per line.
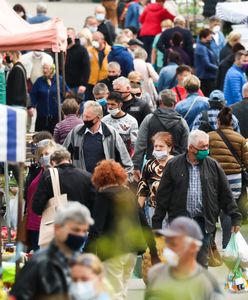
x=152 y=17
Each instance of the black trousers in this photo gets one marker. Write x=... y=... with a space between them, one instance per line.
x=46 y=123
x=148 y=41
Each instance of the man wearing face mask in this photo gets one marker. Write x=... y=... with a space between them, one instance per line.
x=91 y=24
x=194 y=185
x=114 y=71
x=135 y=107
x=47 y=274
x=125 y=124
x=235 y=78
x=100 y=93
x=98 y=54
x=95 y=141
x=77 y=65
x=182 y=277
x=105 y=26
x=206 y=63
x=218 y=41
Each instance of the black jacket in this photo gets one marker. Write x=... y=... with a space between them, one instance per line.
x=43 y=277
x=171 y=196
x=225 y=51
x=77 y=66
x=164 y=42
x=224 y=66
x=16 y=90
x=117 y=229
x=73 y=182
x=108 y=30
x=136 y=108
x=240 y=110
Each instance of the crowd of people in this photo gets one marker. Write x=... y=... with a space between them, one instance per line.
x=153 y=143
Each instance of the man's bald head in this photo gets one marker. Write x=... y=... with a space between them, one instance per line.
x=98 y=40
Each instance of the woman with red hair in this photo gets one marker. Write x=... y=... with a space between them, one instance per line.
x=116 y=237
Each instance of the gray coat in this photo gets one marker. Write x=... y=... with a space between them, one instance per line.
x=113 y=146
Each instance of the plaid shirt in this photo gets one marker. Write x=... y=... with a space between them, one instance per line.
x=194 y=195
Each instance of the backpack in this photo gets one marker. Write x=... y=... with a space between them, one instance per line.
x=205 y=125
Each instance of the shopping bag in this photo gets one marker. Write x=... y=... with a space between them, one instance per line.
x=215 y=259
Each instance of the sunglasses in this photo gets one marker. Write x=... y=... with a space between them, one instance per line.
x=137 y=94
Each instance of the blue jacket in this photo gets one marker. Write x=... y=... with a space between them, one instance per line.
x=216 y=48
x=39 y=18
x=167 y=77
x=234 y=81
x=121 y=55
x=200 y=105
x=44 y=97
x=206 y=65
x=132 y=16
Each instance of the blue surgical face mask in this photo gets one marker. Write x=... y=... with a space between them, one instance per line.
x=83 y=290
x=75 y=242
x=102 y=101
x=45 y=160
x=92 y=29
x=100 y=17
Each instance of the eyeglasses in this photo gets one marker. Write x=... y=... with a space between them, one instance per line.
x=137 y=94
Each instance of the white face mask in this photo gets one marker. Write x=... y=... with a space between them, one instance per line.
x=171 y=257
x=216 y=29
x=100 y=17
x=45 y=160
x=95 y=44
x=160 y=154
x=114 y=112
x=92 y=29
x=83 y=290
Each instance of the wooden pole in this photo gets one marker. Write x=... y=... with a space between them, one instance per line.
x=58 y=85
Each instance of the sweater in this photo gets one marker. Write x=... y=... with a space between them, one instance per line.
x=151 y=19
x=234 y=81
x=220 y=151
x=98 y=72
x=121 y=55
x=77 y=66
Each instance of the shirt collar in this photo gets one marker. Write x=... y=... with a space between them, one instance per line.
x=98 y=131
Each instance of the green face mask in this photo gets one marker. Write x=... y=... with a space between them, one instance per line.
x=201 y=154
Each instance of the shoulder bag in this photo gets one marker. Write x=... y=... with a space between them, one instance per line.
x=48 y=216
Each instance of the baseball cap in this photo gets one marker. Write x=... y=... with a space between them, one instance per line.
x=182 y=226
x=217 y=96
x=137 y=42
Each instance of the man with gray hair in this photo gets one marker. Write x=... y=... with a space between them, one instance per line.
x=240 y=110
x=114 y=71
x=47 y=274
x=194 y=185
x=164 y=42
x=164 y=118
x=95 y=141
x=41 y=16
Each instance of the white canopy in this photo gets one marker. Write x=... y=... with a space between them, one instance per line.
x=234 y=12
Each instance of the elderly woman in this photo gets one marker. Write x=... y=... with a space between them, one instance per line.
x=88 y=280
x=116 y=236
x=44 y=99
x=149 y=75
x=153 y=171
x=43 y=151
x=223 y=153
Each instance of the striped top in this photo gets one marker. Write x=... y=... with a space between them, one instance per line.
x=235 y=181
x=62 y=128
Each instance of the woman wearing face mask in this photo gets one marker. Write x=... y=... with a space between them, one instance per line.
x=43 y=151
x=44 y=99
x=88 y=280
x=153 y=171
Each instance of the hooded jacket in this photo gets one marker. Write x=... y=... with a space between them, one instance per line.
x=121 y=55
x=151 y=19
x=162 y=119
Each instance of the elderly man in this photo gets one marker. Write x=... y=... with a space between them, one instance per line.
x=100 y=93
x=47 y=274
x=131 y=105
x=98 y=53
x=114 y=71
x=194 y=185
x=95 y=141
x=182 y=277
x=41 y=16
x=105 y=26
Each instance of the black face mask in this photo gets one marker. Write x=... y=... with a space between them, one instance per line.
x=69 y=40
x=75 y=242
x=89 y=123
x=112 y=78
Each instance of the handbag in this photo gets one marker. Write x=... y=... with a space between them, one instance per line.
x=244 y=173
x=23 y=232
x=48 y=216
x=215 y=259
